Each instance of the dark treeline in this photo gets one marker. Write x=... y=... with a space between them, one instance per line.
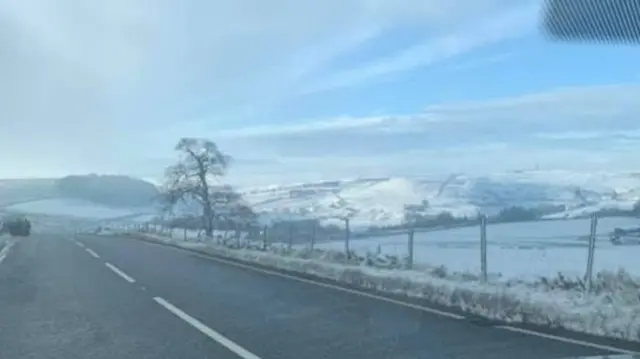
x=506 y=215
x=111 y=190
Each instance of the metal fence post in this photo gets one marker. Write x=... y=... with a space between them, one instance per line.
x=313 y=236
x=483 y=247
x=237 y=233
x=290 y=245
x=592 y=249
x=264 y=238
x=347 y=236
x=410 y=256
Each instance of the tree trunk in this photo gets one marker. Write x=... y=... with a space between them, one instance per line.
x=208 y=221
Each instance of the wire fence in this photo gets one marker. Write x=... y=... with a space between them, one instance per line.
x=491 y=250
x=289 y=234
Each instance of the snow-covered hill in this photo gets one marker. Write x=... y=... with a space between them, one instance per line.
x=90 y=197
x=383 y=201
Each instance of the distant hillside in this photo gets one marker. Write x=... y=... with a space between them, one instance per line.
x=109 y=190
x=389 y=201
x=23 y=190
x=380 y=202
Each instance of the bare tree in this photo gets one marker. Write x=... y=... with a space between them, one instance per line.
x=231 y=208
x=166 y=202
x=194 y=179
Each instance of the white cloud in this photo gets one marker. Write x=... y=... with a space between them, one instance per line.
x=485 y=61
x=628 y=135
x=510 y=24
x=593 y=127
x=82 y=82
x=578 y=128
x=374 y=123
x=109 y=86
x=566 y=112
x=572 y=135
x=475 y=159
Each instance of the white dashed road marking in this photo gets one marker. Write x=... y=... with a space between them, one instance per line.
x=90 y=251
x=120 y=273
x=221 y=339
x=5 y=251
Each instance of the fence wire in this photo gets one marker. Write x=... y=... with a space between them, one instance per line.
x=527 y=248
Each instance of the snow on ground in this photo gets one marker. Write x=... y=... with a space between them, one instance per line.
x=587 y=209
x=142 y=218
x=72 y=208
x=382 y=201
x=521 y=251
x=514 y=250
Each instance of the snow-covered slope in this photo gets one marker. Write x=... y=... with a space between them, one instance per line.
x=383 y=201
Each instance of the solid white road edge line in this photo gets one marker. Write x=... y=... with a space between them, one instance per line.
x=401 y=303
x=120 y=273
x=2 y=257
x=90 y=251
x=566 y=340
x=221 y=339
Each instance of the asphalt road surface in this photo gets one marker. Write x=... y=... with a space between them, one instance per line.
x=115 y=298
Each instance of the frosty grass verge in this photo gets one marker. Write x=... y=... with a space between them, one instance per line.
x=612 y=309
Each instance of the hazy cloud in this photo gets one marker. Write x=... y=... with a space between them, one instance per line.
x=558 y=110
x=508 y=24
x=108 y=86
x=81 y=81
x=580 y=128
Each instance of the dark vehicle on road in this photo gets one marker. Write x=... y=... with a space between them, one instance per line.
x=16 y=226
x=621 y=237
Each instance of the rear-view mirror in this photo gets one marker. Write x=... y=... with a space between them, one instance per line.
x=615 y=21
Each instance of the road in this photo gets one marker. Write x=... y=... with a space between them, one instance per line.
x=107 y=297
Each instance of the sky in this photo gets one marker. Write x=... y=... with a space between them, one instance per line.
x=308 y=90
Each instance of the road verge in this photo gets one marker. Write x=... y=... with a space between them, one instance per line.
x=612 y=318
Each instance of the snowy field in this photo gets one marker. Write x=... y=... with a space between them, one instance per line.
x=514 y=250
x=525 y=251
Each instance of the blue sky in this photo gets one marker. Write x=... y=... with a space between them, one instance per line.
x=299 y=90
